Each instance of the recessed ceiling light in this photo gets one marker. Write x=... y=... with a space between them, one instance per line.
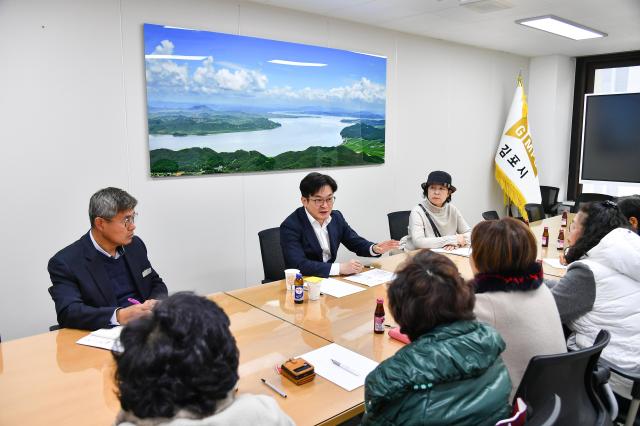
x=561 y=27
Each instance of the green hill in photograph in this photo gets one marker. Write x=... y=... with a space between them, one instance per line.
x=363 y=138
x=201 y=122
x=202 y=161
x=364 y=131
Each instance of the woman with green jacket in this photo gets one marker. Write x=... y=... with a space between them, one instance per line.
x=451 y=373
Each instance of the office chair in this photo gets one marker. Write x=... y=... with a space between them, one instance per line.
x=490 y=215
x=632 y=412
x=549 y=196
x=534 y=211
x=55 y=326
x=398 y=224
x=271 y=252
x=571 y=377
x=588 y=197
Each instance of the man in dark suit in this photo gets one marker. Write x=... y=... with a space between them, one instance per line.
x=311 y=235
x=105 y=278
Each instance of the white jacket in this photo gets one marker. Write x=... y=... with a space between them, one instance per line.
x=241 y=410
x=615 y=263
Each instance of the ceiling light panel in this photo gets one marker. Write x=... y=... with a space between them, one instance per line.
x=562 y=27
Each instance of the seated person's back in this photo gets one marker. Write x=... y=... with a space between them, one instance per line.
x=180 y=366
x=601 y=289
x=451 y=372
x=511 y=296
x=105 y=277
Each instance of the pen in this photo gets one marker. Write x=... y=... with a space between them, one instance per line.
x=274 y=388
x=345 y=367
x=133 y=301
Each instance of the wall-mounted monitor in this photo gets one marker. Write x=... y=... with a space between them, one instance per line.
x=611 y=138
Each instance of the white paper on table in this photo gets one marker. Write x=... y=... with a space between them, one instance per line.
x=372 y=278
x=105 y=338
x=337 y=288
x=554 y=262
x=321 y=361
x=462 y=251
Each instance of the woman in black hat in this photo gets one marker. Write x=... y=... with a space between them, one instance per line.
x=435 y=222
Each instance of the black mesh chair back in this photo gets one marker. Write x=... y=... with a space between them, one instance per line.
x=549 y=196
x=398 y=224
x=588 y=197
x=271 y=252
x=55 y=326
x=490 y=215
x=534 y=211
x=571 y=377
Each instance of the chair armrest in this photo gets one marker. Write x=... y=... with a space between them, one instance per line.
x=631 y=375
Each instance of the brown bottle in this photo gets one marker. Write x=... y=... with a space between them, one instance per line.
x=563 y=221
x=378 y=317
x=298 y=289
x=545 y=237
x=560 y=240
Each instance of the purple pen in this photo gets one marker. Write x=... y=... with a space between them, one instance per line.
x=133 y=301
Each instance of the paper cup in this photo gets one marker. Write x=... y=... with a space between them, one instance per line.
x=314 y=290
x=290 y=277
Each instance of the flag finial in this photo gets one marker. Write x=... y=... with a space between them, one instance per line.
x=520 y=79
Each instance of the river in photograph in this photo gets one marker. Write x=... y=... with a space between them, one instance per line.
x=295 y=134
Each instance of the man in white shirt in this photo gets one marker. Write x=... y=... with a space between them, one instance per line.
x=311 y=235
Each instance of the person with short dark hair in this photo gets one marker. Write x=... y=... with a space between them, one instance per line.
x=311 y=235
x=452 y=360
x=601 y=288
x=435 y=222
x=510 y=295
x=179 y=366
x=105 y=278
x=630 y=208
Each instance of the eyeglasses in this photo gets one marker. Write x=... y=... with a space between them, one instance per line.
x=320 y=201
x=127 y=220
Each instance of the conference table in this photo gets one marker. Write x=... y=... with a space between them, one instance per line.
x=49 y=379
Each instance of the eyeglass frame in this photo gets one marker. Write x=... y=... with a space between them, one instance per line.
x=126 y=221
x=320 y=201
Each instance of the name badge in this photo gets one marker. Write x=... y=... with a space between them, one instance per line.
x=146 y=272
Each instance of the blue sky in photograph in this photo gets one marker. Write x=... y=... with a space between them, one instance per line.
x=223 y=69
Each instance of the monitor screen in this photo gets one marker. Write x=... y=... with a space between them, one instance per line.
x=611 y=138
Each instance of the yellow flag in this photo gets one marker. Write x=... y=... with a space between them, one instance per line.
x=515 y=162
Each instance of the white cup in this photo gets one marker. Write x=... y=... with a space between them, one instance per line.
x=314 y=290
x=290 y=277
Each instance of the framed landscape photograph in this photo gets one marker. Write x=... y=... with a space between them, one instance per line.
x=222 y=103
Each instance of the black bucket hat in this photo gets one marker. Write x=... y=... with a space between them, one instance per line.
x=441 y=178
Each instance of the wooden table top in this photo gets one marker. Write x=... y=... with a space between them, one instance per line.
x=348 y=321
x=554 y=228
x=49 y=379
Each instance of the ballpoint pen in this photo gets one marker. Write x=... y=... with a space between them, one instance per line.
x=274 y=388
x=133 y=301
x=344 y=367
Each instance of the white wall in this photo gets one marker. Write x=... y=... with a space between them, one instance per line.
x=72 y=102
x=550 y=110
